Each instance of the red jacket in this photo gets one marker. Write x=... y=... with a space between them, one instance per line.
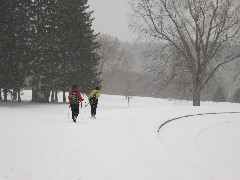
x=78 y=93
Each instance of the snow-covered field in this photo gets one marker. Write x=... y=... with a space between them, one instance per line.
x=40 y=142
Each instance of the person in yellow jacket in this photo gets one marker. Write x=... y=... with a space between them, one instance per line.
x=93 y=101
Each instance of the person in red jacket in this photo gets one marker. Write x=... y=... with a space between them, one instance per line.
x=74 y=99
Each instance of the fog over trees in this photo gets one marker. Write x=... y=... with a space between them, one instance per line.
x=201 y=36
x=148 y=80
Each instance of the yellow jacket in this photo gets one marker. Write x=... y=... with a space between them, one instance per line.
x=94 y=92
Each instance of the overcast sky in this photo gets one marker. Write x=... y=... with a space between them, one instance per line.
x=111 y=18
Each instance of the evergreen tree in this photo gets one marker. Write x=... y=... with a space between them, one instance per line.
x=45 y=61
x=80 y=59
x=65 y=46
x=14 y=46
x=52 y=42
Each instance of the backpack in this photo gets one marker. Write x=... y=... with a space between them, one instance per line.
x=74 y=98
x=93 y=100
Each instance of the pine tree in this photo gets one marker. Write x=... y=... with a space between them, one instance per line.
x=79 y=44
x=52 y=42
x=65 y=47
x=14 y=46
x=44 y=45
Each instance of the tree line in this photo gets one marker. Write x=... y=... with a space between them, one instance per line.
x=48 y=46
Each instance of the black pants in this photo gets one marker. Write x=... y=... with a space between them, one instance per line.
x=93 y=109
x=75 y=110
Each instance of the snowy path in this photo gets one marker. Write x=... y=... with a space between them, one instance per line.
x=39 y=142
x=208 y=143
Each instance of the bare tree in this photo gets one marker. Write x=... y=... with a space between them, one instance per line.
x=107 y=51
x=168 y=74
x=114 y=58
x=205 y=33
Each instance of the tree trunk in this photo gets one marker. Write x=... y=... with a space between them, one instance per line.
x=35 y=94
x=52 y=97
x=196 y=96
x=56 y=96
x=14 y=94
x=64 y=96
x=46 y=95
x=19 y=96
x=5 y=91
x=196 y=99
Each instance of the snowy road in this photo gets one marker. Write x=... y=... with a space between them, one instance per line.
x=39 y=142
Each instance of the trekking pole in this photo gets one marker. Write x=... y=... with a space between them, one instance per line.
x=86 y=105
x=68 y=113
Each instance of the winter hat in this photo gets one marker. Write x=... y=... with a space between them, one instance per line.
x=74 y=86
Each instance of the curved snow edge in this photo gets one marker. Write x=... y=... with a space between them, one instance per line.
x=166 y=122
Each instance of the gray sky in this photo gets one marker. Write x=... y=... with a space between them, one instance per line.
x=111 y=18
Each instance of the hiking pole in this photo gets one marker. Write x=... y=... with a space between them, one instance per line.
x=68 y=112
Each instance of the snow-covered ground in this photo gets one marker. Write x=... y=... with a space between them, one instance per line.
x=40 y=142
